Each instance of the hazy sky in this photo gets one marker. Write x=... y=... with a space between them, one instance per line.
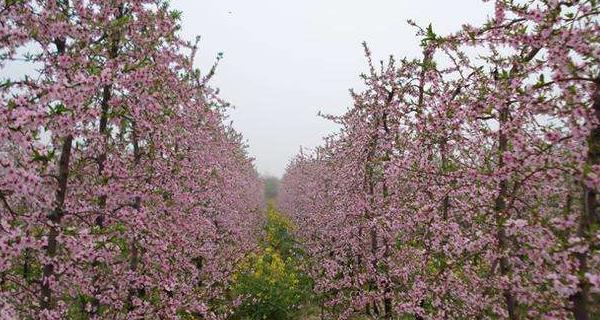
x=286 y=60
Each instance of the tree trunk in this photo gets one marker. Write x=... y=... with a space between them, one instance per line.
x=589 y=216
x=499 y=209
x=135 y=251
x=55 y=218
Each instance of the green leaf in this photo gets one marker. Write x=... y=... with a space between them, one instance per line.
x=45 y=158
x=176 y=14
x=11 y=105
x=58 y=109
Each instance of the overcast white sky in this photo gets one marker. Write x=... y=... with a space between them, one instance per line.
x=286 y=60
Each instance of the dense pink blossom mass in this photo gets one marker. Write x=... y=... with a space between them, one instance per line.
x=122 y=192
x=464 y=185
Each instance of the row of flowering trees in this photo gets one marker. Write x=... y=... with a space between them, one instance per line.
x=122 y=192
x=464 y=184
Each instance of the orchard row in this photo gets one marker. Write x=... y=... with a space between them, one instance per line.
x=122 y=192
x=464 y=184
